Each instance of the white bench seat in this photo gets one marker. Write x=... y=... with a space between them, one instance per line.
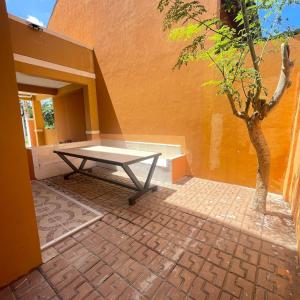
x=48 y=164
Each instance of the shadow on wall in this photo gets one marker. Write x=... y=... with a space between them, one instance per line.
x=107 y=116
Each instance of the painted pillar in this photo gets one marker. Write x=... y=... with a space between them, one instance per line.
x=91 y=111
x=38 y=122
x=20 y=248
x=31 y=128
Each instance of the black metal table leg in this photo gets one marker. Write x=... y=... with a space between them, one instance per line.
x=142 y=189
x=72 y=166
x=138 y=186
x=151 y=171
x=133 y=178
x=77 y=171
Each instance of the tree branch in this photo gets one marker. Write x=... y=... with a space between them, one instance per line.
x=263 y=50
x=238 y=65
x=247 y=106
x=251 y=49
x=234 y=110
x=216 y=64
x=243 y=87
x=228 y=93
x=283 y=81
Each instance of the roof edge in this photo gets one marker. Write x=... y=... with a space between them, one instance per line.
x=53 y=9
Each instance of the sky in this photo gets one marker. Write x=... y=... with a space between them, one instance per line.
x=35 y=11
x=39 y=12
x=290 y=16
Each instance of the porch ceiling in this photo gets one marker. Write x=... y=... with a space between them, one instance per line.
x=39 y=81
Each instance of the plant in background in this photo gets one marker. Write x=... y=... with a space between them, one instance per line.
x=48 y=113
x=236 y=46
x=28 y=109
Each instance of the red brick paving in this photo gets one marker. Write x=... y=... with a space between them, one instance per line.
x=162 y=249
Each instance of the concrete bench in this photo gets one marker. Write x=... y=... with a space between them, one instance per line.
x=47 y=164
x=171 y=166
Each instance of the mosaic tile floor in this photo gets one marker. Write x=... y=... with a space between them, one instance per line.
x=57 y=214
x=197 y=239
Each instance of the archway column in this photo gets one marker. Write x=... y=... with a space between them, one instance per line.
x=91 y=111
x=39 y=126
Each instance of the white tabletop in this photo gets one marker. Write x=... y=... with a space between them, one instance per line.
x=112 y=154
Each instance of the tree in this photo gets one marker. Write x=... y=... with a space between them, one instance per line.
x=48 y=113
x=236 y=46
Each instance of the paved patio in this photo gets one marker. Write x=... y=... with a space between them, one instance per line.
x=58 y=215
x=197 y=239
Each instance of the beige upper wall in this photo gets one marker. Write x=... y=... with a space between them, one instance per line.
x=49 y=47
x=140 y=96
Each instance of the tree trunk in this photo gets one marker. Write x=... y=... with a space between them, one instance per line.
x=263 y=158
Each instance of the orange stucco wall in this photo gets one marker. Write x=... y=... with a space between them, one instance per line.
x=50 y=48
x=50 y=136
x=292 y=178
x=88 y=84
x=20 y=249
x=69 y=116
x=72 y=62
x=139 y=95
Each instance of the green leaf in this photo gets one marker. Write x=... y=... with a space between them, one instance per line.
x=212 y=83
x=185 y=32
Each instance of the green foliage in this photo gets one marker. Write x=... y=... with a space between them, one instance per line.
x=48 y=113
x=236 y=49
x=212 y=82
x=179 y=10
x=28 y=109
x=185 y=32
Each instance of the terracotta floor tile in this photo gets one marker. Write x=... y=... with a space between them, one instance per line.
x=195 y=240
x=7 y=294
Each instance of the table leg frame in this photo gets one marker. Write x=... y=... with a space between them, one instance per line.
x=138 y=186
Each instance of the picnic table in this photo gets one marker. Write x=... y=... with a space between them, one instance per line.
x=117 y=157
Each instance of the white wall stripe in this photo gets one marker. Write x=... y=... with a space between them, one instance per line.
x=92 y=132
x=52 y=66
